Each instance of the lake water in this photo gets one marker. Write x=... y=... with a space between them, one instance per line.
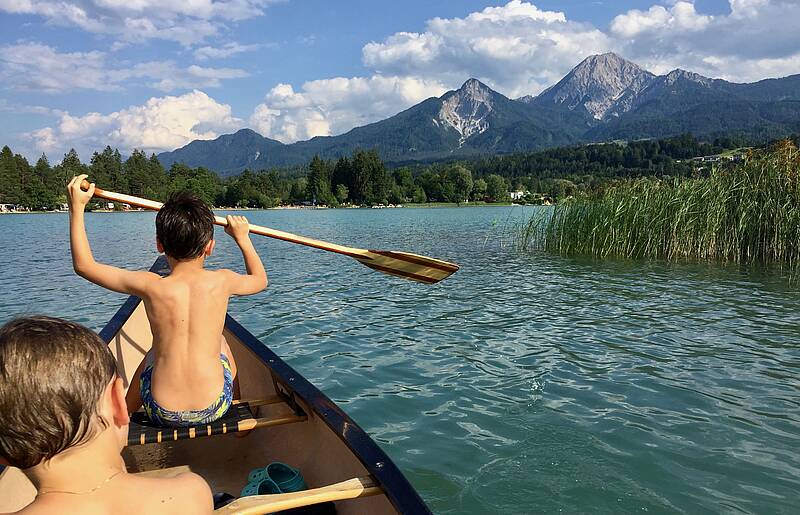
x=523 y=383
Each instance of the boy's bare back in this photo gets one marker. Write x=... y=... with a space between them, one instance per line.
x=187 y=309
x=187 y=315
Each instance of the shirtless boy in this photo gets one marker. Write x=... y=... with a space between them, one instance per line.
x=188 y=376
x=64 y=422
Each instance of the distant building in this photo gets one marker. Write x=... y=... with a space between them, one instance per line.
x=516 y=195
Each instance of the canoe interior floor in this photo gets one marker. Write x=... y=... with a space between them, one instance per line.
x=224 y=461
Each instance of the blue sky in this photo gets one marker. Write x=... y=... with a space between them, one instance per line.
x=156 y=74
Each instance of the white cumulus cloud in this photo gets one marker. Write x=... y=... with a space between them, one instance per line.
x=756 y=39
x=332 y=106
x=161 y=123
x=226 y=50
x=186 y=22
x=172 y=77
x=681 y=17
x=38 y=67
x=517 y=48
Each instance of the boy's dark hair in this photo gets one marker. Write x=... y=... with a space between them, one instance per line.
x=184 y=226
x=52 y=375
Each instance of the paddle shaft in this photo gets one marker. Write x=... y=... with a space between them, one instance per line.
x=255 y=229
x=399 y=264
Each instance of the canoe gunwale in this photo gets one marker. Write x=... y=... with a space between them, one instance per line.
x=398 y=490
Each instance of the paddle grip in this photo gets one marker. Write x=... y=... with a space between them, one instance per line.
x=122 y=198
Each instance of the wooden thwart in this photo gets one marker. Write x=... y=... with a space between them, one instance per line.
x=239 y=418
x=399 y=264
x=260 y=504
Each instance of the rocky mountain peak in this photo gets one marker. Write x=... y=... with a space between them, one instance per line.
x=246 y=132
x=679 y=74
x=601 y=60
x=475 y=88
x=608 y=69
x=600 y=83
x=467 y=108
x=603 y=98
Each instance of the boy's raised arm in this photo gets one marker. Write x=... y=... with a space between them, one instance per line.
x=256 y=279
x=111 y=277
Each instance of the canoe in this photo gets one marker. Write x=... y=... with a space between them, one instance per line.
x=291 y=421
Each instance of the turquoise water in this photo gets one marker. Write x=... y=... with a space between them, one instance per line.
x=523 y=383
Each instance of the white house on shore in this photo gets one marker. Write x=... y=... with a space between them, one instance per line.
x=516 y=195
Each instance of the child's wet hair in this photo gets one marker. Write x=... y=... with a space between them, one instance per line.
x=52 y=376
x=184 y=226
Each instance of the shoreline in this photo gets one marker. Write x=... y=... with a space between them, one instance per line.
x=428 y=205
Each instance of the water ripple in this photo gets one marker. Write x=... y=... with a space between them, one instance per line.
x=522 y=383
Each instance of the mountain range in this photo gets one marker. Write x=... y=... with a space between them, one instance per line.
x=603 y=98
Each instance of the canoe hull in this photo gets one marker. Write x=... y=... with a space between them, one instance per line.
x=328 y=447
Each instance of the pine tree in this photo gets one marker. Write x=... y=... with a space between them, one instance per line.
x=106 y=170
x=40 y=192
x=10 y=192
x=157 y=178
x=378 y=179
x=72 y=166
x=342 y=174
x=318 y=188
x=50 y=177
x=136 y=172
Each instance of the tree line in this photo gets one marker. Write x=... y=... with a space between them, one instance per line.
x=361 y=178
x=364 y=179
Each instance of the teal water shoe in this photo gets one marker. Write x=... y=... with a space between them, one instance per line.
x=264 y=487
x=287 y=478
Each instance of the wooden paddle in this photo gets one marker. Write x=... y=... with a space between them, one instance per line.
x=259 y=504
x=401 y=264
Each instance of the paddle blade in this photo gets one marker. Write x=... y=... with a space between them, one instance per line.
x=408 y=266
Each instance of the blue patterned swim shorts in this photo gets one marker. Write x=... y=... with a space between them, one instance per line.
x=165 y=417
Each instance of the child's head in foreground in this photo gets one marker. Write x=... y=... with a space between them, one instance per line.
x=58 y=389
x=185 y=227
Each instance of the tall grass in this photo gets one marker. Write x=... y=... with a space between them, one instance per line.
x=743 y=213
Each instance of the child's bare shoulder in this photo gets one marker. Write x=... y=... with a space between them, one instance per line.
x=41 y=506
x=226 y=274
x=185 y=493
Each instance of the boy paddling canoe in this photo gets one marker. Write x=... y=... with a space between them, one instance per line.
x=188 y=378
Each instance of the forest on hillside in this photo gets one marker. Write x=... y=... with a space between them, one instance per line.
x=362 y=178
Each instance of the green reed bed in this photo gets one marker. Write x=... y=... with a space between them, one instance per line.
x=744 y=213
